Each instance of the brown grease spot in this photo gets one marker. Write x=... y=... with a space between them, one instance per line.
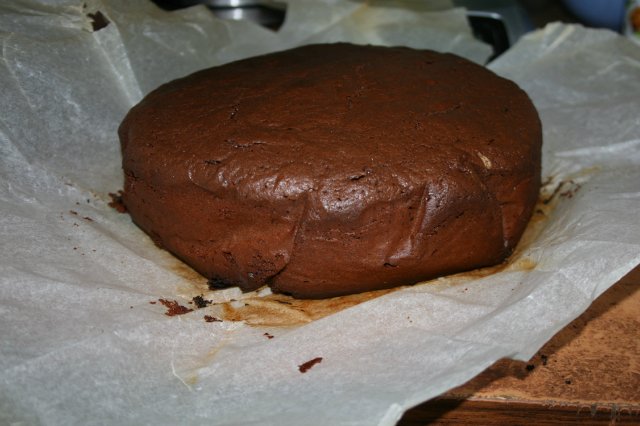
x=523 y=264
x=191 y=380
x=196 y=283
x=282 y=310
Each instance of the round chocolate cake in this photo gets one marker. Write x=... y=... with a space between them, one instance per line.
x=334 y=169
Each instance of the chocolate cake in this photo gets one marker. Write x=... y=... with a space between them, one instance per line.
x=333 y=169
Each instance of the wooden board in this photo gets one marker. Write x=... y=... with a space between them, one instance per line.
x=589 y=373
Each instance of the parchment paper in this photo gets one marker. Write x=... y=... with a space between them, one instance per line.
x=81 y=342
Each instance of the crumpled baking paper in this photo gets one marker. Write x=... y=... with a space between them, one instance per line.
x=84 y=338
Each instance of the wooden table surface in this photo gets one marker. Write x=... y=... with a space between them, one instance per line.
x=589 y=373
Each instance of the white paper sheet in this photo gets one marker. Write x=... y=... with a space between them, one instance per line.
x=80 y=341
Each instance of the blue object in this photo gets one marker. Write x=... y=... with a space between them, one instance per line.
x=599 y=13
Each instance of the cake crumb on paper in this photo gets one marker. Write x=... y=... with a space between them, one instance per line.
x=309 y=364
x=174 y=308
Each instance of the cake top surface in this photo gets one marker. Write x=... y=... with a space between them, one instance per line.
x=325 y=118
